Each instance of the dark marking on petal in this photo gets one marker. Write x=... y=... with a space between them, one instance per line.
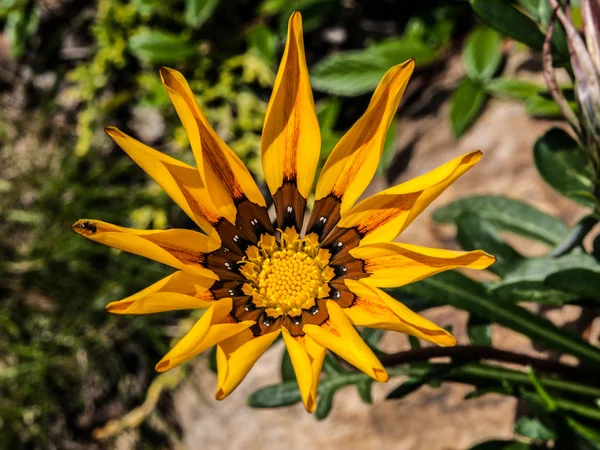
x=252 y=219
x=241 y=311
x=224 y=263
x=343 y=296
x=317 y=315
x=232 y=238
x=325 y=216
x=226 y=288
x=294 y=325
x=347 y=266
x=265 y=324
x=289 y=206
x=342 y=240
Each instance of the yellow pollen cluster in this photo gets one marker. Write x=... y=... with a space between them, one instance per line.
x=286 y=277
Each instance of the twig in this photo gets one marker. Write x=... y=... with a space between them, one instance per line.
x=477 y=352
x=166 y=381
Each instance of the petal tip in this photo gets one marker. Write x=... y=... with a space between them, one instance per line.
x=220 y=395
x=84 y=227
x=381 y=375
x=119 y=307
x=163 y=365
x=114 y=132
x=167 y=75
x=310 y=404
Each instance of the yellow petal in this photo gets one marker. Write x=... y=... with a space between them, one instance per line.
x=220 y=168
x=180 y=181
x=307 y=359
x=182 y=249
x=392 y=264
x=291 y=139
x=374 y=308
x=383 y=216
x=353 y=162
x=236 y=356
x=214 y=326
x=180 y=290
x=338 y=335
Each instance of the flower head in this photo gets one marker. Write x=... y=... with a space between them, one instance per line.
x=260 y=279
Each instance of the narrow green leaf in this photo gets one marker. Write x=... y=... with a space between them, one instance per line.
x=324 y=403
x=547 y=400
x=328 y=112
x=414 y=342
x=509 y=21
x=507 y=214
x=481 y=54
x=287 y=369
x=584 y=283
x=540 y=106
x=533 y=428
x=465 y=105
x=479 y=331
x=262 y=41
x=431 y=376
x=474 y=232
x=531 y=291
x=457 y=290
x=563 y=164
x=512 y=88
x=364 y=390
x=158 y=46
x=357 y=72
x=199 y=11
x=275 y=396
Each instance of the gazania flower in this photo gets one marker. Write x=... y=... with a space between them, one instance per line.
x=260 y=279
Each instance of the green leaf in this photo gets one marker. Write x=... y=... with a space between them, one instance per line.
x=389 y=148
x=262 y=41
x=20 y=25
x=512 y=88
x=507 y=214
x=457 y=290
x=531 y=275
x=157 y=46
x=563 y=164
x=432 y=375
x=540 y=106
x=199 y=11
x=584 y=283
x=509 y=21
x=364 y=390
x=324 y=403
x=474 y=232
x=465 y=105
x=479 y=331
x=357 y=72
x=534 y=429
x=481 y=54
x=275 y=396
x=287 y=369
x=548 y=402
x=328 y=112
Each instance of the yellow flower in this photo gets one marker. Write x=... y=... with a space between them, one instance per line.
x=259 y=279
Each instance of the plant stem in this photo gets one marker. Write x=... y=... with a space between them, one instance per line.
x=477 y=352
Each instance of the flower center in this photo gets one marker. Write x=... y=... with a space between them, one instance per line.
x=286 y=277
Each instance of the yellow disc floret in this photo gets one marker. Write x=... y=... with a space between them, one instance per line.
x=286 y=277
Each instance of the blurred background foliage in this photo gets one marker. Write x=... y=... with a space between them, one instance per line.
x=69 y=67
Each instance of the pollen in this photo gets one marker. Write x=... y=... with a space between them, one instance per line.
x=286 y=276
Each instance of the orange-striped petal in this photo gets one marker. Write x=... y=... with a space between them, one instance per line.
x=338 y=335
x=180 y=290
x=236 y=356
x=180 y=181
x=353 y=162
x=383 y=216
x=214 y=326
x=291 y=139
x=391 y=264
x=374 y=308
x=182 y=249
x=231 y=184
x=307 y=359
